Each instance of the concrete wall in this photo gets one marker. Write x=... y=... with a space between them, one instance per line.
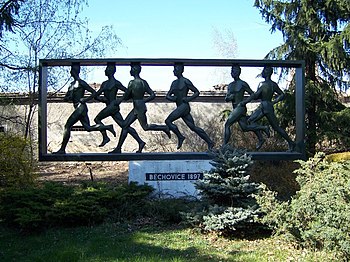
x=206 y=108
x=205 y=114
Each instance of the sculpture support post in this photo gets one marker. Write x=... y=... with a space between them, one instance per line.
x=300 y=110
x=42 y=119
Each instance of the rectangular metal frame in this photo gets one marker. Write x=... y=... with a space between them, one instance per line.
x=299 y=105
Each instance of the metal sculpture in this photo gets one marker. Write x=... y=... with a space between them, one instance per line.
x=109 y=89
x=137 y=89
x=235 y=94
x=266 y=92
x=181 y=92
x=178 y=93
x=75 y=93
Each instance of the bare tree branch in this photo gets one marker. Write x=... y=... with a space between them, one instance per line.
x=26 y=68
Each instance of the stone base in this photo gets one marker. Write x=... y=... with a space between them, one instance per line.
x=173 y=178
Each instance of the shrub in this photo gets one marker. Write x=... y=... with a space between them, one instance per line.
x=55 y=204
x=168 y=210
x=16 y=161
x=334 y=132
x=318 y=215
x=278 y=176
x=336 y=157
x=228 y=196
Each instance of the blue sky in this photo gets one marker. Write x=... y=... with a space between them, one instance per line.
x=182 y=29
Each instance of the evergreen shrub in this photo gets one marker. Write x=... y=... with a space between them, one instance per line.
x=54 y=204
x=336 y=157
x=278 y=176
x=228 y=204
x=168 y=210
x=16 y=161
x=318 y=215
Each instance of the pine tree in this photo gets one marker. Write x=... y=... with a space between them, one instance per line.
x=228 y=194
x=319 y=33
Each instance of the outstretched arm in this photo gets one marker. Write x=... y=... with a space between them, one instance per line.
x=248 y=89
x=120 y=86
x=127 y=94
x=94 y=94
x=253 y=96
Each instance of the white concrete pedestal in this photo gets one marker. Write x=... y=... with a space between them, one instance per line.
x=169 y=178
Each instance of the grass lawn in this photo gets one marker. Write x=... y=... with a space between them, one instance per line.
x=136 y=242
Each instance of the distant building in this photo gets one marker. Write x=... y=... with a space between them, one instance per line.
x=220 y=87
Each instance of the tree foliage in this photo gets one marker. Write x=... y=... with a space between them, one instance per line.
x=228 y=195
x=224 y=43
x=8 y=10
x=319 y=33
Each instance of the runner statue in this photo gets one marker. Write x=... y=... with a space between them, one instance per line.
x=266 y=92
x=109 y=89
x=178 y=93
x=235 y=94
x=136 y=91
x=75 y=93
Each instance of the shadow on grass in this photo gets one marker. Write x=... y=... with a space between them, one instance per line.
x=109 y=242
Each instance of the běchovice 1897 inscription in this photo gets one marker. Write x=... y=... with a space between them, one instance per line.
x=173 y=176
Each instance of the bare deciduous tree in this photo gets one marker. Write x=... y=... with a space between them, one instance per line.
x=225 y=43
x=225 y=46
x=46 y=29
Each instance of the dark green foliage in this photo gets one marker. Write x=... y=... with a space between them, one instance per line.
x=332 y=118
x=8 y=9
x=16 y=161
x=228 y=195
x=318 y=215
x=336 y=129
x=163 y=211
x=278 y=176
x=54 y=204
x=317 y=32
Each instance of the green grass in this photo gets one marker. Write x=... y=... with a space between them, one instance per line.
x=123 y=242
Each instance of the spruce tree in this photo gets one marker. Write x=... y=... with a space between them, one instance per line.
x=319 y=33
x=228 y=194
x=8 y=10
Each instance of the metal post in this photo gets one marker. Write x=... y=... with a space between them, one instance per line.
x=300 y=109
x=42 y=119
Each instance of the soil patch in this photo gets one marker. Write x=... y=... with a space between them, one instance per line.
x=77 y=172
